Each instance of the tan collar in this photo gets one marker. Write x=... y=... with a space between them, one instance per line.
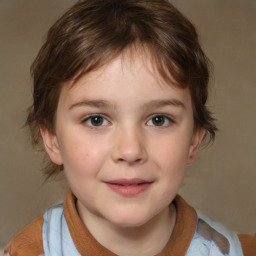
x=178 y=244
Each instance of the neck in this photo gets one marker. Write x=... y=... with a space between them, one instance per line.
x=145 y=240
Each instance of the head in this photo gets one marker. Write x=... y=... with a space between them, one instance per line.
x=92 y=34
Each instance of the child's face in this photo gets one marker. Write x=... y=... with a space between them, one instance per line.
x=125 y=138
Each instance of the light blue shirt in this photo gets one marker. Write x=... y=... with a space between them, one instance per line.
x=210 y=238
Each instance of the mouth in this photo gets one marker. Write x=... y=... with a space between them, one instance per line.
x=129 y=187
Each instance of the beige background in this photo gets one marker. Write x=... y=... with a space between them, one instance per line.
x=222 y=183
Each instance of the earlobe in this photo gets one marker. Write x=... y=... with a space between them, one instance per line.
x=51 y=145
x=195 y=144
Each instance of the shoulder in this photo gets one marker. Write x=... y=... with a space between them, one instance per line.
x=226 y=239
x=28 y=241
x=248 y=243
x=212 y=238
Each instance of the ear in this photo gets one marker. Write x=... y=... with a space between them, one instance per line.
x=51 y=145
x=195 y=144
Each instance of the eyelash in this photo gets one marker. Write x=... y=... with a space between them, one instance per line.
x=90 y=117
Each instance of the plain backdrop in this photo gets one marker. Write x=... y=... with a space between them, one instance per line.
x=222 y=182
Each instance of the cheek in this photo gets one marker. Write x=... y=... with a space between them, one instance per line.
x=173 y=153
x=83 y=155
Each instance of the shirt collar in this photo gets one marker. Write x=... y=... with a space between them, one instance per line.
x=178 y=244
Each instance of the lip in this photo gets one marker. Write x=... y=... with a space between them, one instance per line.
x=129 y=187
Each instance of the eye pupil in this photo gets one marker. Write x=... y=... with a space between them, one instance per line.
x=158 y=120
x=97 y=120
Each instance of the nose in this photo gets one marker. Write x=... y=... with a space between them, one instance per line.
x=129 y=147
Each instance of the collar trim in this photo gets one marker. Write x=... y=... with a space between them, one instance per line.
x=178 y=244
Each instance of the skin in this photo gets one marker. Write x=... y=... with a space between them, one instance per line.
x=145 y=130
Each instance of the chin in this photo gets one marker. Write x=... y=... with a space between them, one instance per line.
x=130 y=220
x=130 y=223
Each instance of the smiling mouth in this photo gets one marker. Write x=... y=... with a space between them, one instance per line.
x=129 y=187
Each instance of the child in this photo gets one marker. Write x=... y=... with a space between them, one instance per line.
x=120 y=88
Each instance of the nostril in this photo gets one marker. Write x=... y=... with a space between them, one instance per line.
x=138 y=160
x=129 y=149
x=131 y=161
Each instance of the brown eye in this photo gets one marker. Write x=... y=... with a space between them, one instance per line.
x=159 y=120
x=96 y=120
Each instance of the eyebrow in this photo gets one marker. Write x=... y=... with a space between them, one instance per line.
x=93 y=103
x=163 y=103
x=100 y=103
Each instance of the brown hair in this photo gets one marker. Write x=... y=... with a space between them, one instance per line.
x=93 y=32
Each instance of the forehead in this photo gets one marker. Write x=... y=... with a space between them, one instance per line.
x=131 y=74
